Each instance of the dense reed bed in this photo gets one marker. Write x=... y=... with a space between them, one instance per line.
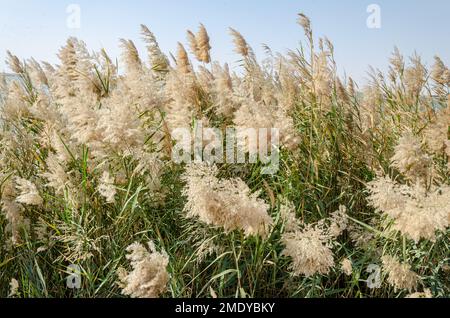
x=87 y=177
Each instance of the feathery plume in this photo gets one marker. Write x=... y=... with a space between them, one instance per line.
x=223 y=90
x=305 y=23
x=241 y=46
x=131 y=57
x=203 y=45
x=224 y=203
x=341 y=91
x=415 y=77
x=37 y=73
x=56 y=175
x=69 y=59
x=346 y=266
x=183 y=64
x=417 y=213
x=28 y=192
x=439 y=74
x=309 y=250
x=410 y=159
x=12 y=211
x=437 y=134
x=106 y=187
x=400 y=275
x=149 y=276
x=251 y=115
x=338 y=221
x=193 y=43
x=199 y=44
x=14 y=63
x=158 y=60
x=425 y=294
x=351 y=87
x=287 y=214
x=13 y=288
x=397 y=64
x=310 y=245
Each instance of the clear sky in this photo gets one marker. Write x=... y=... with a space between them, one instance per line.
x=38 y=28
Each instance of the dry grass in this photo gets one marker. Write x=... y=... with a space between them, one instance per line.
x=86 y=176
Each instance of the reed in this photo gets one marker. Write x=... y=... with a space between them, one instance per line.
x=86 y=175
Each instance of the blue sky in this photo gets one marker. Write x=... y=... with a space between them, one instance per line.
x=38 y=28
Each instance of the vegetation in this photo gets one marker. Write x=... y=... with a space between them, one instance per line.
x=87 y=177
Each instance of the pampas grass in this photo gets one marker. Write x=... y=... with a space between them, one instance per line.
x=86 y=176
